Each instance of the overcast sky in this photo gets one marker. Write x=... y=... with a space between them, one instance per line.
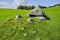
x=15 y=3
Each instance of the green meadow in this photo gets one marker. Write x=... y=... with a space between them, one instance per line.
x=11 y=28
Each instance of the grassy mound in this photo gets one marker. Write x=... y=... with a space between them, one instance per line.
x=21 y=29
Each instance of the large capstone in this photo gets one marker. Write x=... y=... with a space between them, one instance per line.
x=36 y=12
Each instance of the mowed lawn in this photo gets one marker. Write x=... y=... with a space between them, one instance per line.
x=21 y=29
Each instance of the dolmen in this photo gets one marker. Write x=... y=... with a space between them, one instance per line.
x=38 y=13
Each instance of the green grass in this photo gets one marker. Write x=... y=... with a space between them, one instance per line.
x=8 y=13
x=10 y=28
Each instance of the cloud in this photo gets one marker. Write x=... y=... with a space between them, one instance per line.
x=19 y=2
x=13 y=4
x=3 y=4
x=16 y=3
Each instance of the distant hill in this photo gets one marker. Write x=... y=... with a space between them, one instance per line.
x=57 y=5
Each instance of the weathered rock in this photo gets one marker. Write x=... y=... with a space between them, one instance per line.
x=30 y=20
x=18 y=16
x=42 y=18
x=37 y=12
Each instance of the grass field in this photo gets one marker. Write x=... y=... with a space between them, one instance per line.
x=11 y=28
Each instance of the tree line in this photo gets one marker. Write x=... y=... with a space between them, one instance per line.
x=23 y=7
x=54 y=5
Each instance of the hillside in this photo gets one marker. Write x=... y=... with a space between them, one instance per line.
x=21 y=29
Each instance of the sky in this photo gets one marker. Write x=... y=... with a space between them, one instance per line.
x=15 y=3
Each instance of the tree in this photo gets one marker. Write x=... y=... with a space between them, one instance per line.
x=20 y=7
x=42 y=6
x=32 y=7
x=26 y=7
x=51 y=6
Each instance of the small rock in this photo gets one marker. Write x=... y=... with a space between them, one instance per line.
x=42 y=18
x=30 y=20
x=18 y=16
